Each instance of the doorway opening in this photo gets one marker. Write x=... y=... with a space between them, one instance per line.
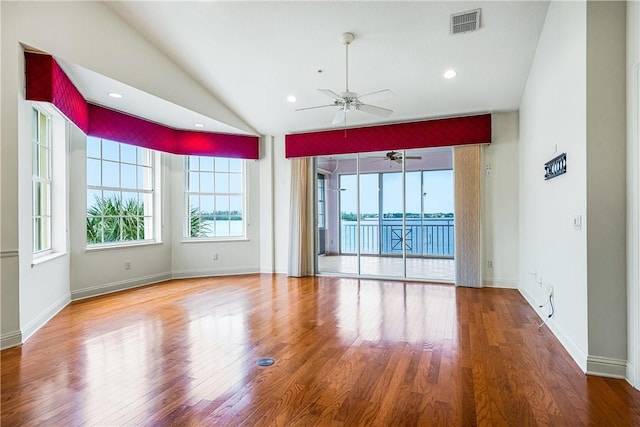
x=386 y=214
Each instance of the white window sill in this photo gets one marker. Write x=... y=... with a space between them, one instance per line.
x=44 y=258
x=119 y=245
x=215 y=240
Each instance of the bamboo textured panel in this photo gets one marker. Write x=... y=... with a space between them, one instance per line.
x=466 y=167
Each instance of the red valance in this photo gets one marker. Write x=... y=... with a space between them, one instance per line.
x=47 y=82
x=400 y=136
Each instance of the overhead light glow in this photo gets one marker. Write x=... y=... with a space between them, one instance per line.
x=449 y=74
x=115 y=95
x=198 y=125
x=291 y=98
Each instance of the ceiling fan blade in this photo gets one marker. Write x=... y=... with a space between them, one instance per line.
x=378 y=95
x=331 y=94
x=413 y=157
x=312 y=108
x=340 y=117
x=378 y=111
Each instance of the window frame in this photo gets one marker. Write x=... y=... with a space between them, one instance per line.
x=146 y=164
x=188 y=192
x=43 y=181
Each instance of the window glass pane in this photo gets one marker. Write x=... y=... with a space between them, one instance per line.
x=45 y=233
x=93 y=147
x=194 y=162
x=93 y=200
x=206 y=205
x=145 y=178
x=235 y=183
x=37 y=198
x=206 y=182
x=194 y=202
x=128 y=153
x=222 y=164
x=45 y=204
x=37 y=234
x=44 y=129
x=43 y=167
x=206 y=163
x=222 y=183
x=194 y=181
x=235 y=165
x=128 y=176
x=110 y=150
x=144 y=156
x=235 y=206
x=110 y=174
x=222 y=227
x=94 y=171
x=147 y=204
x=222 y=206
x=34 y=126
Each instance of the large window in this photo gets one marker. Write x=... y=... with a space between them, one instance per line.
x=120 y=193
x=41 y=155
x=214 y=197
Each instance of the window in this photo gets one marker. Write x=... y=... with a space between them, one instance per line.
x=41 y=166
x=214 y=197
x=321 y=201
x=120 y=193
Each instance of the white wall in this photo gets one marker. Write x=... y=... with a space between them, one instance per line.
x=606 y=187
x=282 y=195
x=553 y=121
x=574 y=102
x=500 y=203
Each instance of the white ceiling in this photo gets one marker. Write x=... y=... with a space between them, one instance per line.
x=252 y=55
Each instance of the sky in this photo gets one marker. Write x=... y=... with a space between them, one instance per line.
x=436 y=194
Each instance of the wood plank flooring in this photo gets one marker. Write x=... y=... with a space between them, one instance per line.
x=348 y=352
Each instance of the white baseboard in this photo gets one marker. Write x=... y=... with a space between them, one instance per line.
x=607 y=367
x=631 y=375
x=500 y=283
x=10 y=339
x=206 y=272
x=572 y=348
x=48 y=314
x=122 y=285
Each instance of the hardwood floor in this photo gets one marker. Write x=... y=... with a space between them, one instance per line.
x=348 y=352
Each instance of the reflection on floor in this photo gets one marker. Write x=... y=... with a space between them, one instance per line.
x=429 y=269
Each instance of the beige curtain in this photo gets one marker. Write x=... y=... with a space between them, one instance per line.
x=301 y=215
x=466 y=167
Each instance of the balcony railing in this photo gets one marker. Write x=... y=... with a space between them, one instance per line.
x=429 y=237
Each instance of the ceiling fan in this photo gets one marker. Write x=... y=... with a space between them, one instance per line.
x=397 y=157
x=350 y=101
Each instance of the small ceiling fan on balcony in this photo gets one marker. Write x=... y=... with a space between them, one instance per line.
x=396 y=156
x=348 y=101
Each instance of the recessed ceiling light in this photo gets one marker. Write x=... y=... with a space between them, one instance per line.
x=291 y=98
x=449 y=74
x=198 y=125
x=115 y=95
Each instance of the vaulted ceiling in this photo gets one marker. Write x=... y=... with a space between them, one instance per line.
x=253 y=55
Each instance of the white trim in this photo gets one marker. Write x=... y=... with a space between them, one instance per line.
x=9 y=254
x=10 y=339
x=121 y=285
x=42 y=319
x=210 y=272
x=569 y=345
x=633 y=235
x=48 y=257
x=606 y=367
x=501 y=283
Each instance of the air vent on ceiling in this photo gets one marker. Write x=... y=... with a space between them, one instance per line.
x=465 y=21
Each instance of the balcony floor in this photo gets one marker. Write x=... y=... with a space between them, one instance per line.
x=427 y=269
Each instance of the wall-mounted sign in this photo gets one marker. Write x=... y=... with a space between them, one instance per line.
x=556 y=166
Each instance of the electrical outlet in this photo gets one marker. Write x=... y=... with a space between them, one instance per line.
x=215 y=256
x=487 y=169
x=490 y=264
x=577 y=222
x=127 y=265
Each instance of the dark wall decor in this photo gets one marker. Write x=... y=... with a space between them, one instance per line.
x=556 y=166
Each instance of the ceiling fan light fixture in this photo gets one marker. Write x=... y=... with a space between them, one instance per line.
x=115 y=95
x=449 y=74
x=291 y=98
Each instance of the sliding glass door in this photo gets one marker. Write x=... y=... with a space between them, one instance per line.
x=386 y=214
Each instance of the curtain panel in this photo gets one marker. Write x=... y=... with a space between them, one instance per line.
x=301 y=226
